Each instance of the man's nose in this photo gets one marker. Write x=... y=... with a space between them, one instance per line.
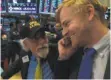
x=64 y=32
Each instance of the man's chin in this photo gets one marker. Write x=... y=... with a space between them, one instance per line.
x=43 y=53
x=43 y=59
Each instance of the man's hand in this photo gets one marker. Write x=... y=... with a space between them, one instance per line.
x=65 y=52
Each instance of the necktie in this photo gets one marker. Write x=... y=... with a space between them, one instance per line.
x=86 y=64
x=47 y=73
x=32 y=68
x=38 y=72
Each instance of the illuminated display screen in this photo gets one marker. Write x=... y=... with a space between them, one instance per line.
x=49 y=6
x=41 y=6
x=44 y=6
x=59 y=2
x=22 y=6
x=53 y=6
x=3 y=6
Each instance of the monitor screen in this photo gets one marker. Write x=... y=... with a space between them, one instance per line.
x=59 y=2
x=44 y=6
x=22 y=6
x=53 y=6
x=3 y=6
x=6 y=24
x=41 y=6
x=49 y=6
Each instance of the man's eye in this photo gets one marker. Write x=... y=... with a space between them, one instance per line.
x=66 y=24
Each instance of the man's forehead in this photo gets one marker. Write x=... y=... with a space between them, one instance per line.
x=69 y=12
x=65 y=10
x=65 y=13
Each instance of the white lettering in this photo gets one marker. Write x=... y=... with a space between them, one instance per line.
x=33 y=8
x=17 y=8
x=28 y=8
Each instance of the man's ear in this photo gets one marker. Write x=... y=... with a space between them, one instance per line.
x=91 y=11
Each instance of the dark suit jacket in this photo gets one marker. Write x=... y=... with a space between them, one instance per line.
x=69 y=69
x=18 y=65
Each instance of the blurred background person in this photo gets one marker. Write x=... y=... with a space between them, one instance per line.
x=37 y=58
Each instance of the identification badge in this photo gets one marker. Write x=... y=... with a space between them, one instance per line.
x=25 y=59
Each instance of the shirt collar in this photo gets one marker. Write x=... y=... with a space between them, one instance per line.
x=102 y=43
x=33 y=58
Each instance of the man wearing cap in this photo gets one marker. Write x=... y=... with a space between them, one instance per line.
x=37 y=58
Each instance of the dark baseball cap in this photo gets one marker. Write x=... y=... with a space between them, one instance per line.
x=36 y=32
x=33 y=31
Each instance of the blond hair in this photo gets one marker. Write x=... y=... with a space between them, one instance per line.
x=79 y=2
x=99 y=8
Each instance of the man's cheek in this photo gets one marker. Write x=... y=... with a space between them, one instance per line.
x=43 y=53
x=72 y=29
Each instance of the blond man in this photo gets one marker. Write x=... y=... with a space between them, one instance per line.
x=84 y=25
